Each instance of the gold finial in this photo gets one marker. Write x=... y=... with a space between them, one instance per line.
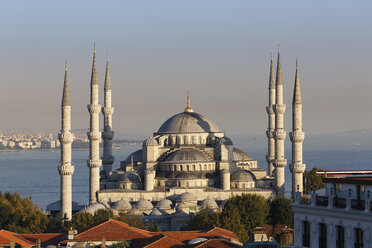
x=188 y=108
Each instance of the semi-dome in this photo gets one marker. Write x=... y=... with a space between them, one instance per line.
x=188 y=122
x=144 y=205
x=164 y=204
x=240 y=155
x=137 y=156
x=130 y=177
x=122 y=205
x=242 y=176
x=187 y=155
x=187 y=197
x=209 y=203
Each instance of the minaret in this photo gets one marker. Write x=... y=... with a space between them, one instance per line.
x=94 y=135
x=66 y=169
x=279 y=135
x=108 y=134
x=297 y=136
x=270 y=157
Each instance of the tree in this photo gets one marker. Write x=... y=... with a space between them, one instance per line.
x=102 y=215
x=154 y=227
x=231 y=220
x=132 y=220
x=21 y=215
x=253 y=210
x=204 y=219
x=281 y=212
x=312 y=180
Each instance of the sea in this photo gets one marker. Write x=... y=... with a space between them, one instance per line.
x=34 y=173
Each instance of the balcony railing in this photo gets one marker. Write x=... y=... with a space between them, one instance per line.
x=322 y=201
x=357 y=204
x=339 y=202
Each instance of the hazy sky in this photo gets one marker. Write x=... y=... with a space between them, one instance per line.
x=159 y=50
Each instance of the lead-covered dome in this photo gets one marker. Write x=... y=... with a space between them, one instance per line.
x=188 y=122
x=187 y=155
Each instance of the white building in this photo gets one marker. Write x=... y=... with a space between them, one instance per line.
x=338 y=215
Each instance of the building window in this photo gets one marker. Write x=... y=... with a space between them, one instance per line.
x=340 y=237
x=322 y=235
x=306 y=234
x=358 y=238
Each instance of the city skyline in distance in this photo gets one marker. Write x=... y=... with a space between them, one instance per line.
x=217 y=50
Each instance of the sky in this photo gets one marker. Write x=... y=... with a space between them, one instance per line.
x=159 y=50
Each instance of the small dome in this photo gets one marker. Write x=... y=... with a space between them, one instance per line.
x=240 y=155
x=156 y=212
x=130 y=176
x=135 y=211
x=187 y=155
x=209 y=203
x=243 y=176
x=95 y=207
x=164 y=204
x=187 y=197
x=150 y=142
x=182 y=206
x=188 y=122
x=186 y=175
x=144 y=205
x=225 y=141
x=122 y=205
x=137 y=156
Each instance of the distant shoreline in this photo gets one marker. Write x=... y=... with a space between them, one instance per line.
x=57 y=149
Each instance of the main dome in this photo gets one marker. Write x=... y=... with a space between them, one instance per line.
x=188 y=122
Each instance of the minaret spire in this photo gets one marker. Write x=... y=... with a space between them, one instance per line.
x=107 y=134
x=270 y=157
x=188 y=108
x=279 y=135
x=66 y=91
x=94 y=135
x=297 y=167
x=66 y=169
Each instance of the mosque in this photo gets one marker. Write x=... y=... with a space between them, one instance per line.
x=188 y=164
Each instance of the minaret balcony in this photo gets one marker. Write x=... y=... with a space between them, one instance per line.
x=270 y=159
x=107 y=111
x=280 y=134
x=94 y=135
x=94 y=163
x=66 y=138
x=297 y=167
x=108 y=159
x=270 y=110
x=66 y=169
x=270 y=133
x=107 y=135
x=280 y=162
x=94 y=108
x=297 y=136
x=279 y=108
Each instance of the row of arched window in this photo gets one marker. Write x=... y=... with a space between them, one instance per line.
x=189 y=167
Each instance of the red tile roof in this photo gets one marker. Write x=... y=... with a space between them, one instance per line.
x=45 y=238
x=111 y=230
x=212 y=243
x=7 y=237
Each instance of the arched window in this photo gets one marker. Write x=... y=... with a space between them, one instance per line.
x=165 y=142
x=188 y=167
x=175 y=168
x=194 y=169
x=181 y=167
